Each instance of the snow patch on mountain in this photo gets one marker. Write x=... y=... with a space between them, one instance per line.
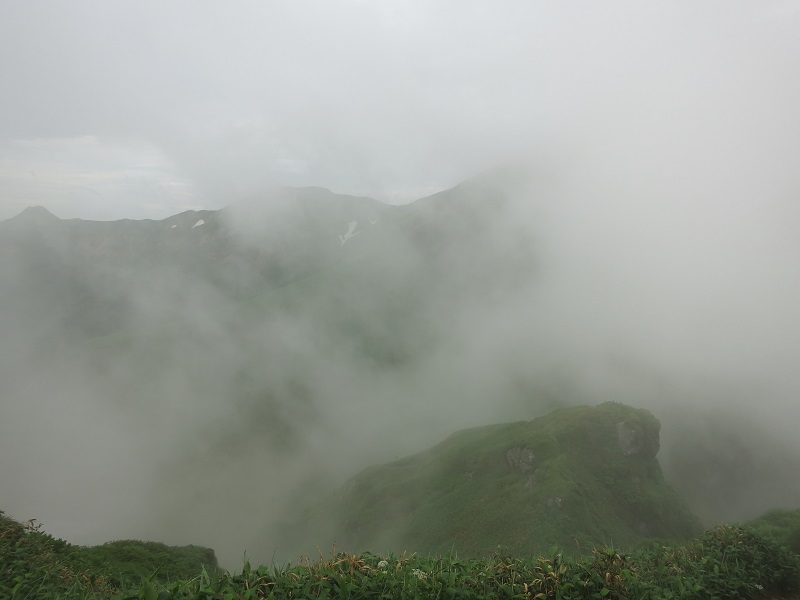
x=351 y=232
x=200 y=222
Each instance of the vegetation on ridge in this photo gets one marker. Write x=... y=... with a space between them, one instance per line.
x=783 y=525
x=725 y=562
x=578 y=477
x=34 y=564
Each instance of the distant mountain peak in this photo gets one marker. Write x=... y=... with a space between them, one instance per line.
x=36 y=214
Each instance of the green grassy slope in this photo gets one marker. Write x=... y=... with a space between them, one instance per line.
x=34 y=564
x=783 y=525
x=725 y=562
x=581 y=476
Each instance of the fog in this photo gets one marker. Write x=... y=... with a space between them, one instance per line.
x=647 y=254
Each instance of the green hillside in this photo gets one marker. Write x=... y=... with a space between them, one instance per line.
x=783 y=525
x=579 y=477
x=725 y=562
x=34 y=564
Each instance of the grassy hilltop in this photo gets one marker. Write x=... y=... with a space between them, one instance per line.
x=578 y=477
x=34 y=564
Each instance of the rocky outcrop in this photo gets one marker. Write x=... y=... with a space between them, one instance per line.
x=520 y=459
x=635 y=438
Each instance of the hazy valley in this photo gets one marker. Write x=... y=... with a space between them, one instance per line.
x=220 y=369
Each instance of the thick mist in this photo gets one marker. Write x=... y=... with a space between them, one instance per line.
x=200 y=388
x=207 y=417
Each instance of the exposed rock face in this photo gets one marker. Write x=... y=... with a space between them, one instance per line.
x=554 y=502
x=520 y=459
x=635 y=439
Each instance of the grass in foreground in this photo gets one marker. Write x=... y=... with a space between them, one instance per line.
x=725 y=562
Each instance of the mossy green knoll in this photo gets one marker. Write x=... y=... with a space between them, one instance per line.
x=579 y=477
x=781 y=524
x=34 y=564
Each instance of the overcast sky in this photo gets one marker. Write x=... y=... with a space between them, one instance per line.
x=143 y=109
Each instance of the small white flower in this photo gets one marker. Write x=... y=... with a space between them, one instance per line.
x=383 y=564
x=759 y=586
x=419 y=573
